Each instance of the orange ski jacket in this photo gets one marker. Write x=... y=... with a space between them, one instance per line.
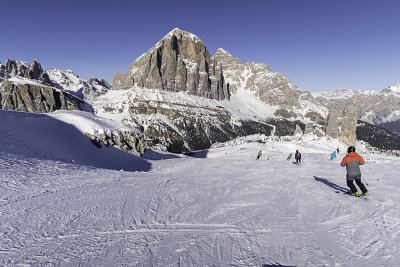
x=352 y=162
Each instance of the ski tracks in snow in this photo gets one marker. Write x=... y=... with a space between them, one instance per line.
x=223 y=211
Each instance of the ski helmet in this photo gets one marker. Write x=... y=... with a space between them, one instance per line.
x=351 y=149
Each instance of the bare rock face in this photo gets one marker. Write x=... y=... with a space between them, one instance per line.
x=34 y=71
x=178 y=62
x=380 y=107
x=128 y=141
x=342 y=124
x=36 y=99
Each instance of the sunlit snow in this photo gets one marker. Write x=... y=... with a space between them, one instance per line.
x=221 y=207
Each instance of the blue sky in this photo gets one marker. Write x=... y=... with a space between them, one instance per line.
x=321 y=45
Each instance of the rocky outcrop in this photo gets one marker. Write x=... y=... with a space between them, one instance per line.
x=36 y=99
x=13 y=68
x=342 y=124
x=380 y=107
x=178 y=62
x=128 y=141
x=101 y=82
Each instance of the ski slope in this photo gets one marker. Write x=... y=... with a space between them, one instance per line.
x=219 y=208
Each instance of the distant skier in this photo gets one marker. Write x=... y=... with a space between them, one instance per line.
x=333 y=155
x=259 y=155
x=337 y=150
x=289 y=157
x=297 y=156
x=352 y=161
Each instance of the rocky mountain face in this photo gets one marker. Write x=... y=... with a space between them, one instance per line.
x=183 y=122
x=36 y=98
x=342 y=124
x=21 y=73
x=28 y=88
x=180 y=62
x=182 y=99
x=129 y=141
x=381 y=107
x=12 y=68
x=273 y=88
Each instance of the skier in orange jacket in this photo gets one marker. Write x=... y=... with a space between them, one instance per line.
x=352 y=161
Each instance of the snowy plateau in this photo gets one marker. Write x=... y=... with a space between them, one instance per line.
x=219 y=207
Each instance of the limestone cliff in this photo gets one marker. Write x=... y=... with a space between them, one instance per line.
x=35 y=98
x=342 y=124
x=178 y=62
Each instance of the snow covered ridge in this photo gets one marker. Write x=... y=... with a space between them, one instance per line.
x=376 y=107
x=103 y=131
x=23 y=73
x=181 y=122
x=180 y=62
x=64 y=135
x=70 y=82
x=272 y=88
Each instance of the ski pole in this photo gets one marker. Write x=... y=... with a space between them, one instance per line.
x=364 y=178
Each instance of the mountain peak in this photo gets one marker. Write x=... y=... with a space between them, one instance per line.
x=180 y=34
x=395 y=88
x=178 y=62
x=222 y=51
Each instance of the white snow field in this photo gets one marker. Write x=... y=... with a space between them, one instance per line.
x=220 y=208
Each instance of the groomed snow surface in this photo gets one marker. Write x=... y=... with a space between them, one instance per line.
x=221 y=207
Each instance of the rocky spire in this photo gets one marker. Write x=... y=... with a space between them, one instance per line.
x=34 y=71
x=178 y=62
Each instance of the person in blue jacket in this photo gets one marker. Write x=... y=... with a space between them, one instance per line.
x=333 y=155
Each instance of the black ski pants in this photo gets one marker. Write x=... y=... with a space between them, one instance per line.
x=353 y=188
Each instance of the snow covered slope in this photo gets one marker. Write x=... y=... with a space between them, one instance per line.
x=179 y=122
x=225 y=209
x=272 y=88
x=61 y=136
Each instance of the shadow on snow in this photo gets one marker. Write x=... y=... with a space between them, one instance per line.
x=154 y=155
x=40 y=136
x=197 y=154
x=338 y=188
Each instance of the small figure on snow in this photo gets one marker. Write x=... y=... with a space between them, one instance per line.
x=289 y=157
x=297 y=156
x=333 y=155
x=259 y=155
x=337 y=150
x=352 y=161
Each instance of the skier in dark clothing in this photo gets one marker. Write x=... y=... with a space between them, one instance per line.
x=259 y=155
x=352 y=161
x=297 y=156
